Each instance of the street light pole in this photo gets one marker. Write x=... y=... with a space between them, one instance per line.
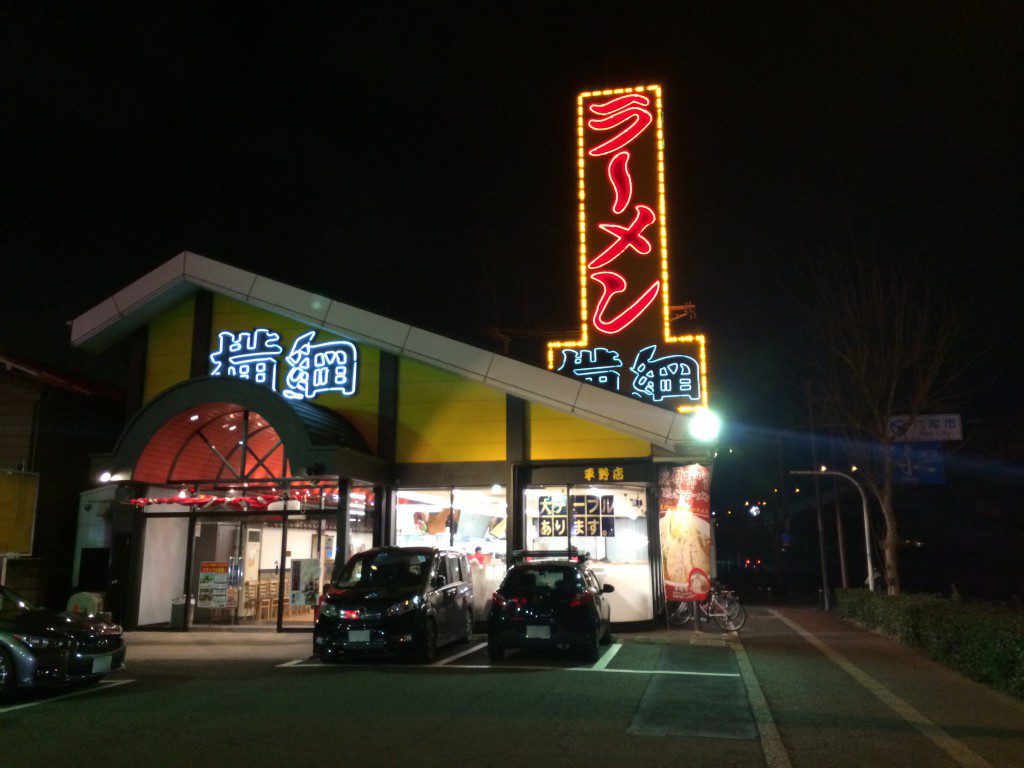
x=864 y=505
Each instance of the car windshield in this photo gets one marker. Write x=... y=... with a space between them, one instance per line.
x=385 y=569
x=12 y=604
x=527 y=580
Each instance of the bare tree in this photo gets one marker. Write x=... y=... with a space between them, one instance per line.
x=885 y=347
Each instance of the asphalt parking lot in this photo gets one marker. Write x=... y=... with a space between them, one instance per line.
x=794 y=688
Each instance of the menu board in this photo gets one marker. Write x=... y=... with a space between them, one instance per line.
x=586 y=515
x=213 y=585
x=305 y=581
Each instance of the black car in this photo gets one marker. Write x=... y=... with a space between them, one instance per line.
x=396 y=599
x=543 y=602
x=40 y=647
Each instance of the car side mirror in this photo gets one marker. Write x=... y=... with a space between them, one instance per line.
x=437 y=582
x=607 y=588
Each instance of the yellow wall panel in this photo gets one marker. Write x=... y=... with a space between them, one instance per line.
x=360 y=409
x=557 y=435
x=169 y=349
x=444 y=417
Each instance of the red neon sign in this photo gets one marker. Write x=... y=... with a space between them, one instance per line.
x=626 y=343
x=613 y=284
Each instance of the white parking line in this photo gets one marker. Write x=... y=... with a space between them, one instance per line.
x=103 y=686
x=609 y=654
x=509 y=668
x=472 y=649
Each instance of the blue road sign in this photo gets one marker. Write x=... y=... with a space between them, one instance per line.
x=918 y=464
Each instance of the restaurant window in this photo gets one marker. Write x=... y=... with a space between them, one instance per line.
x=361 y=512
x=609 y=523
x=471 y=520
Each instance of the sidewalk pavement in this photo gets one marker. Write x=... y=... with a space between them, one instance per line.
x=257 y=645
x=239 y=645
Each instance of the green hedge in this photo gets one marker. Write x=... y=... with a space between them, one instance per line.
x=983 y=642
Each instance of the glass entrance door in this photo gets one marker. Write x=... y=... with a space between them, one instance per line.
x=236 y=572
x=309 y=562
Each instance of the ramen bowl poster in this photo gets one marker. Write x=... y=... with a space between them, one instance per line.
x=684 y=512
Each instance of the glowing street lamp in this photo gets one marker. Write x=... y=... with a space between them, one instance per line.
x=864 y=504
x=705 y=425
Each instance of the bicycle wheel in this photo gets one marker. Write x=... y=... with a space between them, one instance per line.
x=679 y=614
x=734 y=616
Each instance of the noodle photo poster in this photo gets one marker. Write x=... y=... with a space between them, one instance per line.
x=684 y=512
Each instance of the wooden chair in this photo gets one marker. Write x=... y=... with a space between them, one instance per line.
x=267 y=600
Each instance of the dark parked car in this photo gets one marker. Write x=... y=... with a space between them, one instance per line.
x=41 y=647
x=556 y=603
x=396 y=599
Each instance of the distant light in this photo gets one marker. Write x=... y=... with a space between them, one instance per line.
x=105 y=477
x=775 y=490
x=705 y=426
x=182 y=494
x=730 y=450
x=823 y=468
x=853 y=468
x=194 y=417
x=754 y=511
x=728 y=511
x=496 y=489
x=232 y=428
x=796 y=490
x=746 y=503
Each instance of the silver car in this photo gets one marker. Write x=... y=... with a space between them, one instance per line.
x=42 y=647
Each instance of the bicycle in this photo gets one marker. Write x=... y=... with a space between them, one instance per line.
x=722 y=605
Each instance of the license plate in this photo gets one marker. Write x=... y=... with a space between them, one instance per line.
x=538 y=632
x=359 y=635
x=101 y=665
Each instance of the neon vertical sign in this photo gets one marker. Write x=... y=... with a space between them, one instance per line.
x=623 y=258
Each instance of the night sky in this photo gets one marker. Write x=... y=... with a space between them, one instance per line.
x=417 y=160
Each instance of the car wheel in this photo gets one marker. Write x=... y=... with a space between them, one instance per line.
x=6 y=674
x=428 y=649
x=592 y=650
x=467 y=633
x=495 y=651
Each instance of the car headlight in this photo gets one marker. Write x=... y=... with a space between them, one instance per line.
x=37 y=643
x=404 y=606
x=330 y=611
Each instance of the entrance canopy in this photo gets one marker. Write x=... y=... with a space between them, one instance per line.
x=222 y=430
x=213 y=442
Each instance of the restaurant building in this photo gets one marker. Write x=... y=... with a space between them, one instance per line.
x=280 y=431
x=280 y=428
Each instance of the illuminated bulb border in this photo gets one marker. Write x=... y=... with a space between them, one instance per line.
x=663 y=234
